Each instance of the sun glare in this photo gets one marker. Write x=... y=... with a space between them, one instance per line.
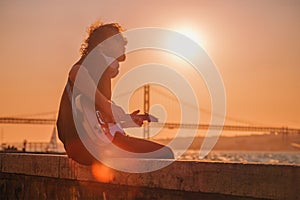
x=182 y=46
x=190 y=33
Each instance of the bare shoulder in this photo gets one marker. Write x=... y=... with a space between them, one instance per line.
x=74 y=69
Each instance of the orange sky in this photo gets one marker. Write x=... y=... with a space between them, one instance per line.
x=255 y=45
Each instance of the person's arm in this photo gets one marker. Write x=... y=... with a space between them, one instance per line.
x=86 y=85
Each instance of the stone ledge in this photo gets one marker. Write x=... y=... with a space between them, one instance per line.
x=248 y=180
x=17 y=186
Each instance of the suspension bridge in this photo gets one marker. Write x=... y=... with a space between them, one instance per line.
x=168 y=125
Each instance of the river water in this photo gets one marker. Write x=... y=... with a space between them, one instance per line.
x=246 y=157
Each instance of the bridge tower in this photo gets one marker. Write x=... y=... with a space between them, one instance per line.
x=146 y=108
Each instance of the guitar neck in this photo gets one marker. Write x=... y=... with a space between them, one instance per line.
x=145 y=117
x=127 y=122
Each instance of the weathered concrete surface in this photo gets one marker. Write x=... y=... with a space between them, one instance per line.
x=180 y=179
x=17 y=186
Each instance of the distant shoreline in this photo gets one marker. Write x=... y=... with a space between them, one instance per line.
x=266 y=142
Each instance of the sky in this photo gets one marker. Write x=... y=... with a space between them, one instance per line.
x=254 y=44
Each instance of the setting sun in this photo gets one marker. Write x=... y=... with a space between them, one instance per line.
x=190 y=33
x=184 y=41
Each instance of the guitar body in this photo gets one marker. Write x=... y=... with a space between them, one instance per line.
x=93 y=123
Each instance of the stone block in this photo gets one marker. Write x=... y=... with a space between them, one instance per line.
x=30 y=164
x=68 y=169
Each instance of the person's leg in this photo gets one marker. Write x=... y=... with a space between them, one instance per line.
x=77 y=152
x=143 y=148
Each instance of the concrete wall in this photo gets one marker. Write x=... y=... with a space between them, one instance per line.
x=33 y=176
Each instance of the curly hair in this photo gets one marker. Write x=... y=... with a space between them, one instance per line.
x=97 y=33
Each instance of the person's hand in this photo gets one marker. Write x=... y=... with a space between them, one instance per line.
x=137 y=119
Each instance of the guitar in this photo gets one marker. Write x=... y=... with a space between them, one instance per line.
x=97 y=128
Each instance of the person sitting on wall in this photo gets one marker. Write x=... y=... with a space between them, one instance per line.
x=104 y=63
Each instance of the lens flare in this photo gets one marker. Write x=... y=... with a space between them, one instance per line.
x=102 y=173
